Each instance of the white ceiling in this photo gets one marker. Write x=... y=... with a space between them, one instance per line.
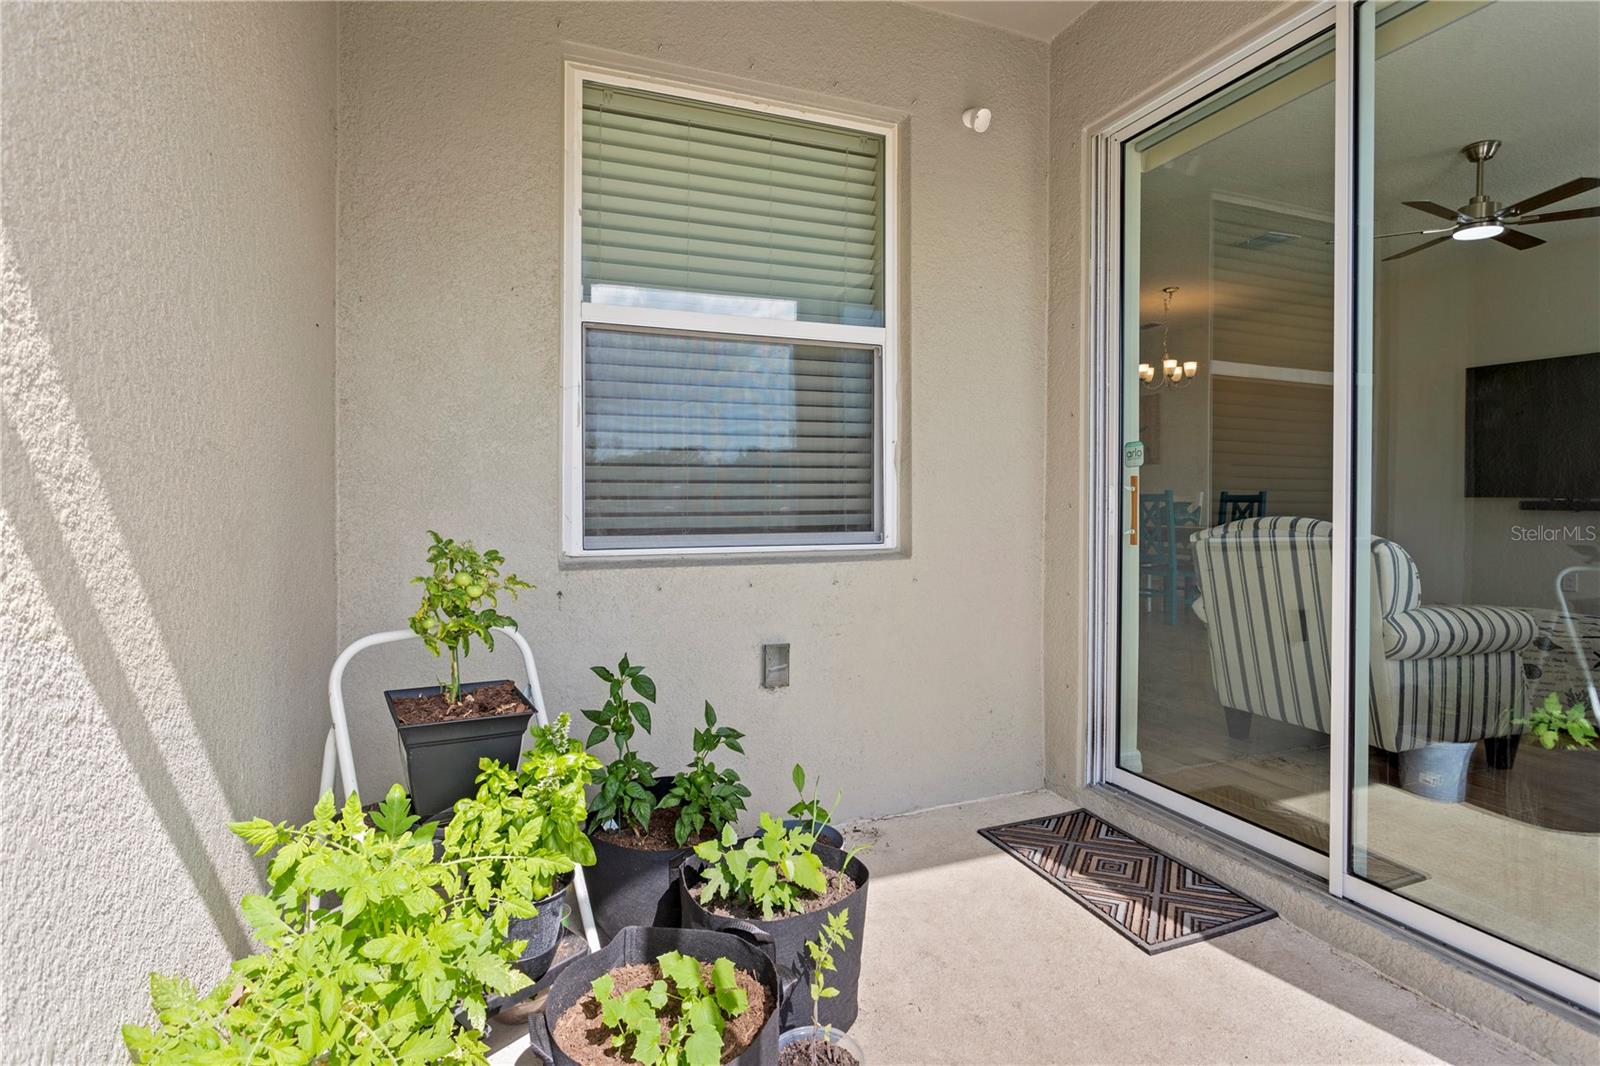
x=1527 y=74
x=1039 y=19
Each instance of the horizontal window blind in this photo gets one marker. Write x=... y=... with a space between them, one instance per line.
x=726 y=441
x=696 y=206
x=1272 y=287
x=1277 y=437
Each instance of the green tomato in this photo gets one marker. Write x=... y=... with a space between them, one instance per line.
x=474 y=591
x=463 y=580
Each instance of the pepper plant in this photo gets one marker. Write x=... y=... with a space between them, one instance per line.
x=704 y=795
x=523 y=828
x=375 y=978
x=624 y=795
x=460 y=602
x=676 y=1020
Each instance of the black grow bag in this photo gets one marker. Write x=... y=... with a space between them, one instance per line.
x=638 y=945
x=634 y=886
x=440 y=759
x=789 y=936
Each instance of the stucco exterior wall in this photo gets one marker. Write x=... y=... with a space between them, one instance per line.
x=1117 y=54
x=166 y=519
x=915 y=679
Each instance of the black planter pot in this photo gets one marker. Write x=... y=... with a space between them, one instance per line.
x=634 y=886
x=636 y=945
x=789 y=936
x=542 y=932
x=440 y=759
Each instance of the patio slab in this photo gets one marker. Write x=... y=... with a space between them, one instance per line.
x=971 y=958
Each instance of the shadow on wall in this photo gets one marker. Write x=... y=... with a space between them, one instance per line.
x=69 y=569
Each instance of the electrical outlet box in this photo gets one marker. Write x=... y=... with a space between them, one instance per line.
x=774 y=666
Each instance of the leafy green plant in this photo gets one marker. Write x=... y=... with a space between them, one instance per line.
x=624 y=795
x=830 y=938
x=523 y=828
x=772 y=871
x=1552 y=725
x=678 y=1019
x=375 y=978
x=460 y=602
x=811 y=811
x=704 y=795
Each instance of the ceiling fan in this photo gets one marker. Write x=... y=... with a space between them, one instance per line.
x=1484 y=219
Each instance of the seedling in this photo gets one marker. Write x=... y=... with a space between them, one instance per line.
x=704 y=795
x=811 y=811
x=625 y=795
x=459 y=602
x=677 y=1020
x=830 y=938
x=1552 y=725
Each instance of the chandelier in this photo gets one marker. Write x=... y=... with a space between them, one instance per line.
x=1173 y=375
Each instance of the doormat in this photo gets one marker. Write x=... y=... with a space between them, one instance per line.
x=1152 y=899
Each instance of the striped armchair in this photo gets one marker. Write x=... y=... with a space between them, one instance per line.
x=1438 y=673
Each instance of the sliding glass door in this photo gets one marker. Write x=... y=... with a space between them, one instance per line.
x=1227 y=419
x=1350 y=369
x=1477 y=485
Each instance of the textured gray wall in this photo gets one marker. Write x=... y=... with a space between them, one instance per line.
x=915 y=679
x=167 y=526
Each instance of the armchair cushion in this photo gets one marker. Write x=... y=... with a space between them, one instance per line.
x=1433 y=632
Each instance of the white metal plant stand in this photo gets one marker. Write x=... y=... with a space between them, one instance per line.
x=336 y=750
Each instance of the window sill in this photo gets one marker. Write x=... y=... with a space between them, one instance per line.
x=636 y=557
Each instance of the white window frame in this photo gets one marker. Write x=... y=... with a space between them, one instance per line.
x=883 y=340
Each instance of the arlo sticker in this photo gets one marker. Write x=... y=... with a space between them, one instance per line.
x=1133 y=454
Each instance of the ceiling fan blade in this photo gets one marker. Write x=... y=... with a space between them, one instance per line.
x=1418 y=248
x=1412 y=233
x=1550 y=196
x=1520 y=241
x=1434 y=209
x=1558 y=216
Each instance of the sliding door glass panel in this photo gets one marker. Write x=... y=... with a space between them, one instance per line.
x=1227 y=407
x=1477 y=520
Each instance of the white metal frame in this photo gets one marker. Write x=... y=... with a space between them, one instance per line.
x=576 y=315
x=337 y=755
x=1352 y=405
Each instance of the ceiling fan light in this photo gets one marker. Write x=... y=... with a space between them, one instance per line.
x=1479 y=232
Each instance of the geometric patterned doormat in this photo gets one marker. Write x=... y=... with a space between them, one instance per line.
x=1151 y=898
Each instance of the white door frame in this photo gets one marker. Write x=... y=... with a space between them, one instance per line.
x=1106 y=319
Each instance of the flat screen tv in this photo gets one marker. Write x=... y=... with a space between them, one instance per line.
x=1533 y=430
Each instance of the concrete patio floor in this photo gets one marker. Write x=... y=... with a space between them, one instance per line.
x=971 y=958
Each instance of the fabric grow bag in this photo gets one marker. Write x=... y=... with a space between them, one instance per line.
x=748 y=948
x=634 y=886
x=789 y=936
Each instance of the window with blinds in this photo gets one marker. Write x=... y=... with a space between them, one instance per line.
x=701 y=207
x=733 y=353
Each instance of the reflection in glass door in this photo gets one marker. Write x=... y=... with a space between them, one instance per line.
x=1227 y=407
x=1477 y=522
